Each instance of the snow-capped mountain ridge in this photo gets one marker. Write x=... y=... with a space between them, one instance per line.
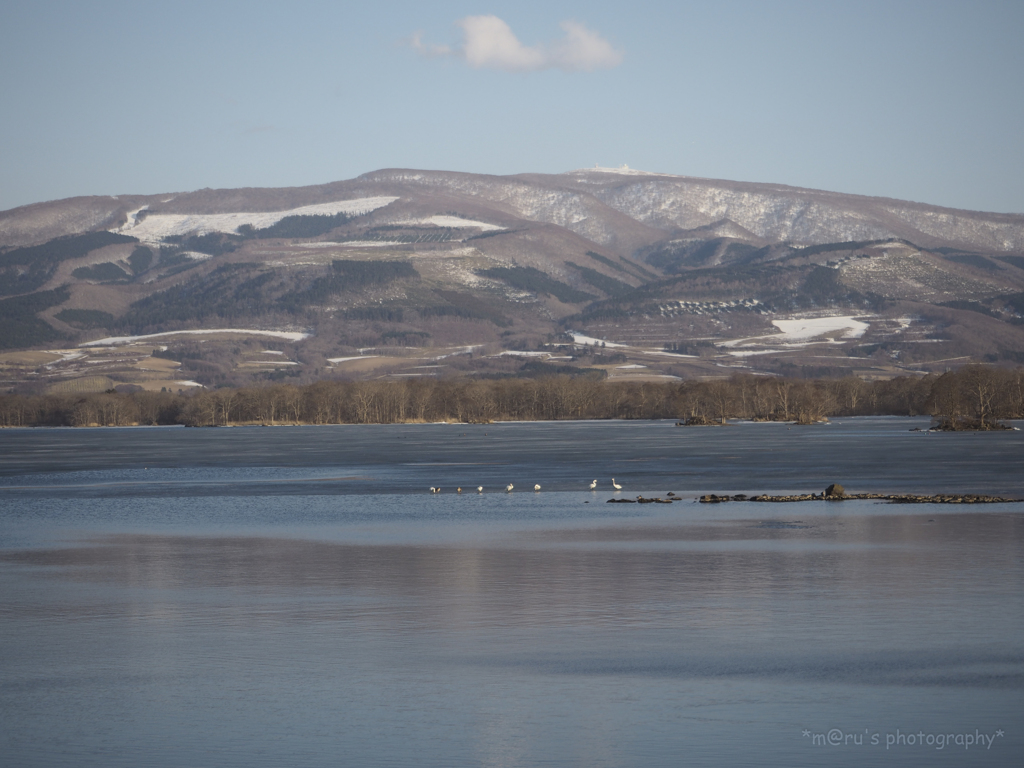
x=620 y=208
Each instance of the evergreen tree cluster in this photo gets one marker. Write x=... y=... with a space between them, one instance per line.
x=211 y=243
x=297 y=227
x=86 y=318
x=248 y=290
x=348 y=276
x=19 y=326
x=467 y=306
x=535 y=281
x=23 y=270
x=607 y=262
x=220 y=294
x=607 y=285
x=140 y=260
x=107 y=272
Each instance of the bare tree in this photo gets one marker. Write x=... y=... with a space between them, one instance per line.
x=980 y=385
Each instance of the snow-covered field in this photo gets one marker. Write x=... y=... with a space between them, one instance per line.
x=663 y=353
x=795 y=332
x=455 y=222
x=812 y=327
x=66 y=355
x=798 y=332
x=753 y=352
x=346 y=359
x=579 y=338
x=354 y=244
x=113 y=341
x=157 y=226
x=455 y=351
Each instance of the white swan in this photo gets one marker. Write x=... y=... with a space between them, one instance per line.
x=593 y=485
x=615 y=485
x=479 y=489
x=536 y=487
x=508 y=488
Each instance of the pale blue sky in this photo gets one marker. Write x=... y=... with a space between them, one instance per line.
x=914 y=100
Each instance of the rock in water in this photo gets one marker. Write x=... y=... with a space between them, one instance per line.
x=835 y=491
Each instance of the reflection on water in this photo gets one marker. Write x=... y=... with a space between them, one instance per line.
x=505 y=630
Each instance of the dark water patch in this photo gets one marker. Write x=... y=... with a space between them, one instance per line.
x=903 y=667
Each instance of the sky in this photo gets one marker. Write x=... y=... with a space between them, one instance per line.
x=913 y=100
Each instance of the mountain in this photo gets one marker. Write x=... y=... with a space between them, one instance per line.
x=604 y=272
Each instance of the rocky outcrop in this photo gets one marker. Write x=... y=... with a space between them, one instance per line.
x=892 y=498
x=643 y=500
x=835 y=491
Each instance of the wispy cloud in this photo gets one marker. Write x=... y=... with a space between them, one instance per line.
x=424 y=49
x=489 y=43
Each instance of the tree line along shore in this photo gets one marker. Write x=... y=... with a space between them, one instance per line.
x=972 y=397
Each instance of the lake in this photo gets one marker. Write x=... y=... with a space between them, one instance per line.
x=296 y=596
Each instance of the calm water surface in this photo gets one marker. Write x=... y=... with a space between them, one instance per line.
x=295 y=596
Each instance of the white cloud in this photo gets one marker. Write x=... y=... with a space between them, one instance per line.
x=488 y=42
x=423 y=49
x=582 y=50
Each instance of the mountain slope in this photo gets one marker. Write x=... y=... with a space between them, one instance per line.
x=404 y=272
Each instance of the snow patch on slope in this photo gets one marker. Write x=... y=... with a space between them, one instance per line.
x=622 y=170
x=157 y=226
x=810 y=327
x=114 y=341
x=579 y=338
x=798 y=332
x=455 y=222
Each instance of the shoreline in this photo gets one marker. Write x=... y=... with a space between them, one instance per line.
x=494 y=422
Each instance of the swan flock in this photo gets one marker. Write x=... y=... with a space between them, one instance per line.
x=536 y=487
